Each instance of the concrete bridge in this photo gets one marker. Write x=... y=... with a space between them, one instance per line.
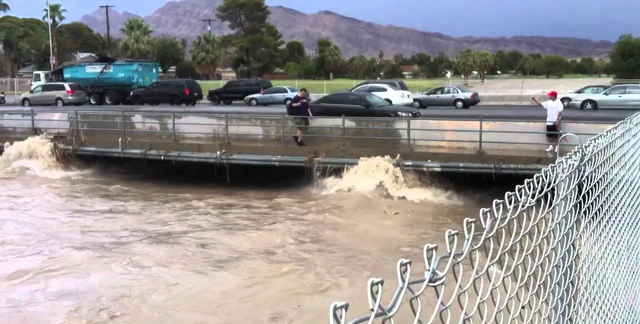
x=435 y=144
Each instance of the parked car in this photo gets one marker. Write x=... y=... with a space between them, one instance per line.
x=54 y=93
x=625 y=96
x=566 y=98
x=3 y=98
x=359 y=104
x=173 y=92
x=453 y=95
x=399 y=84
x=237 y=90
x=391 y=94
x=272 y=96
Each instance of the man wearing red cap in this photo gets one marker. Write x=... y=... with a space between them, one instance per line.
x=554 y=109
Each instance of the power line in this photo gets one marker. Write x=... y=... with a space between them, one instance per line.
x=106 y=9
x=208 y=21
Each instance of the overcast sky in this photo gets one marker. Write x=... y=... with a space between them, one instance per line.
x=592 y=19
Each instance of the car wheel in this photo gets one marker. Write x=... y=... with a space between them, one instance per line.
x=215 y=100
x=287 y=102
x=109 y=98
x=174 y=101
x=94 y=99
x=59 y=102
x=459 y=104
x=26 y=102
x=566 y=102
x=227 y=102
x=193 y=103
x=417 y=104
x=137 y=100
x=589 y=104
x=253 y=102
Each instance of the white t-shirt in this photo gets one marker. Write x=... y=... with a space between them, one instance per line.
x=554 y=108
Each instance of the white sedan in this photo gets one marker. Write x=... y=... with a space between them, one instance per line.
x=391 y=94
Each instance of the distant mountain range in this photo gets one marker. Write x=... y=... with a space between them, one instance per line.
x=184 y=19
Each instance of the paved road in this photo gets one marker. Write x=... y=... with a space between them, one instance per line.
x=485 y=112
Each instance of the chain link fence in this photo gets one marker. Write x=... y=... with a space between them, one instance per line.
x=564 y=247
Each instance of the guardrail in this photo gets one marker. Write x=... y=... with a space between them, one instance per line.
x=473 y=134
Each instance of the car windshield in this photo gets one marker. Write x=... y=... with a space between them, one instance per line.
x=293 y=89
x=376 y=101
x=463 y=89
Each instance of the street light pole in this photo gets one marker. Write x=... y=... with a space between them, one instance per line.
x=52 y=59
x=106 y=9
x=208 y=21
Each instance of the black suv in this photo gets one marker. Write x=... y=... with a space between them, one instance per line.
x=236 y=90
x=394 y=83
x=173 y=92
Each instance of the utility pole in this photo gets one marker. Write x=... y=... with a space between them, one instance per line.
x=52 y=59
x=106 y=9
x=208 y=21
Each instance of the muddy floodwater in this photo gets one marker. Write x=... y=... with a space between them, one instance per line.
x=96 y=246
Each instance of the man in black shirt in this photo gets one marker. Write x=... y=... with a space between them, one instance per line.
x=301 y=113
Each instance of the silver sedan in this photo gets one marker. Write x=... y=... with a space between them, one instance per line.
x=272 y=96
x=453 y=95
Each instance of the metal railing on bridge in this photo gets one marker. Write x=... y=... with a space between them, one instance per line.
x=564 y=247
x=468 y=135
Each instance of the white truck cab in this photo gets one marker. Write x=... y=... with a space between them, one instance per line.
x=39 y=77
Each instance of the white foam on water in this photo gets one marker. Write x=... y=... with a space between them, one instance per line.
x=379 y=175
x=36 y=156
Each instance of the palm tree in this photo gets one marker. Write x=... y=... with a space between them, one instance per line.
x=332 y=57
x=485 y=60
x=206 y=53
x=56 y=13
x=4 y=7
x=466 y=63
x=137 y=42
x=359 y=66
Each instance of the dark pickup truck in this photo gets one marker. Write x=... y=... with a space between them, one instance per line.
x=236 y=90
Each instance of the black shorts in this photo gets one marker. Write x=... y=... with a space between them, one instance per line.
x=553 y=131
x=301 y=122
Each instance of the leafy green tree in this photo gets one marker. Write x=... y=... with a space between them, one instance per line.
x=186 y=70
x=466 y=62
x=4 y=7
x=625 y=58
x=206 y=53
x=439 y=64
x=168 y=53
x=256 y=42
x=587 y=65
x=56 y=13
x=81 y=38
x=293 y=51
x=552 y=65
x=514 y=58
x=23 y=41
x=600 y=67
x=503 y=62
x=574 y=67
x=526 y=65
x=359 y=67
x=136 y=42
x=329 y=57
x=484 y=62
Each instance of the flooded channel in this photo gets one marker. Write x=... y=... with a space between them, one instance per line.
x=104 y=245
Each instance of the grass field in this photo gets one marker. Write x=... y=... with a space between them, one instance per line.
x=512 y=86
x=322 y=86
